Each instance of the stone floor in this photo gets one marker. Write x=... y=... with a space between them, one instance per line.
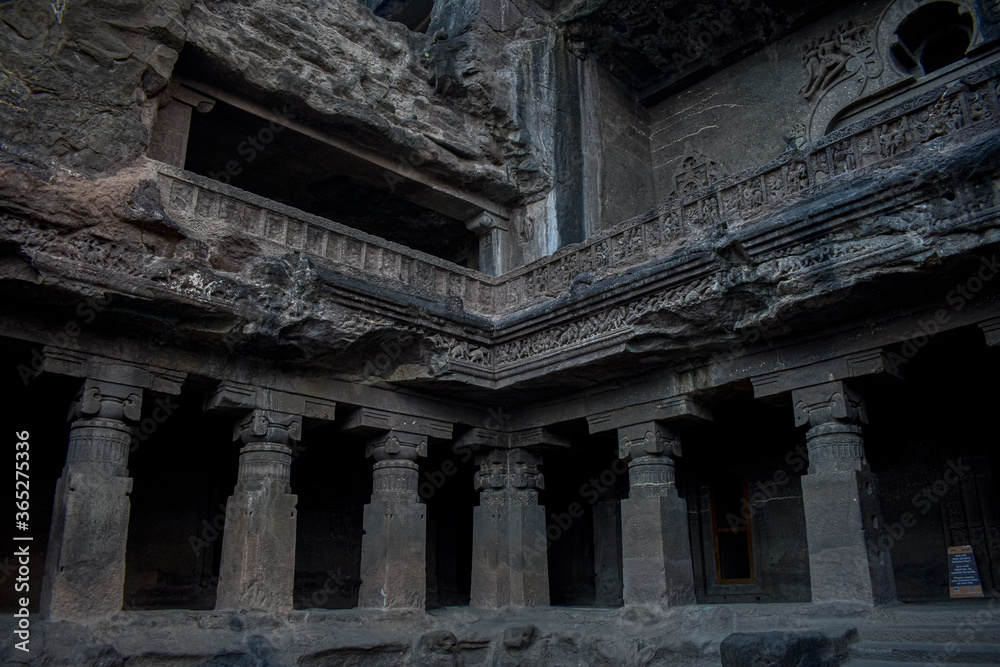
x=960 y=632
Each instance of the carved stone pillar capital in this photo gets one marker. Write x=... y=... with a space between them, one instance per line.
x=100 y=399
x=828 y=402
x=268 y=426
x=650 y=449
x=647 y=439
x=834 y=412
x=509 y=476
x=397 y=446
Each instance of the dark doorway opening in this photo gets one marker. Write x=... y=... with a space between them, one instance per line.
x=184 y=469
x=446 y=486
x=333 y=482
x=581 y=497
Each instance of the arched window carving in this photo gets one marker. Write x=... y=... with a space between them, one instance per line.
x=859 y=69
x=932 y=37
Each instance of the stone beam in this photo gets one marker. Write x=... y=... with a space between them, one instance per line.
x=673 y=408
x=62 y=361
x=532 y=437
x=858 y=364
x=372 y=420
x=241 y=396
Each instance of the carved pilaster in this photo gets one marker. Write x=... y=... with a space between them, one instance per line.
x=85 y=569
x=258 y=545
x=509 y=563
x=840 y=499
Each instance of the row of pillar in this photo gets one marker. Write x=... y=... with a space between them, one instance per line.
x=85 y=565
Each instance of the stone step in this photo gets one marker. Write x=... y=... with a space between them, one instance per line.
x=927 y=653
x=931 y=634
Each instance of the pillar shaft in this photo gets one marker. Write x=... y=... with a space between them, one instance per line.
x=85 y=564
x=258 y=545
x=509 y=557
x=394 y=546
x=656 y=549
x=840 y=498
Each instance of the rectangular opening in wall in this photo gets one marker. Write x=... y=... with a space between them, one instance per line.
x=732 y=531
x=269 y=159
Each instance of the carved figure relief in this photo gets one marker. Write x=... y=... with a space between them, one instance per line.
x=838 y=55
x=695 y=172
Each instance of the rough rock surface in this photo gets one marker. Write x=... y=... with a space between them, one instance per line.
x=784 y=649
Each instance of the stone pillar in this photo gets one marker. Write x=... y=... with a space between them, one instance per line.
x=489 y=227
x=608 y=553
x=169 y=138
x=656 y=551
x=394 y=546
x=258 y=545
x=509 y=555
x=85 y=564
x=840 y=497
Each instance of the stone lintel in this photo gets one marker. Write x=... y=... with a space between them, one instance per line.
x=991 y=331
x=94 y=367
x=193 y=98
x=371 y=420
x=858 y=364
x=478 y=437
x=540 y=437
x=241 y=396
x=828 y=402
x=673 y=408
